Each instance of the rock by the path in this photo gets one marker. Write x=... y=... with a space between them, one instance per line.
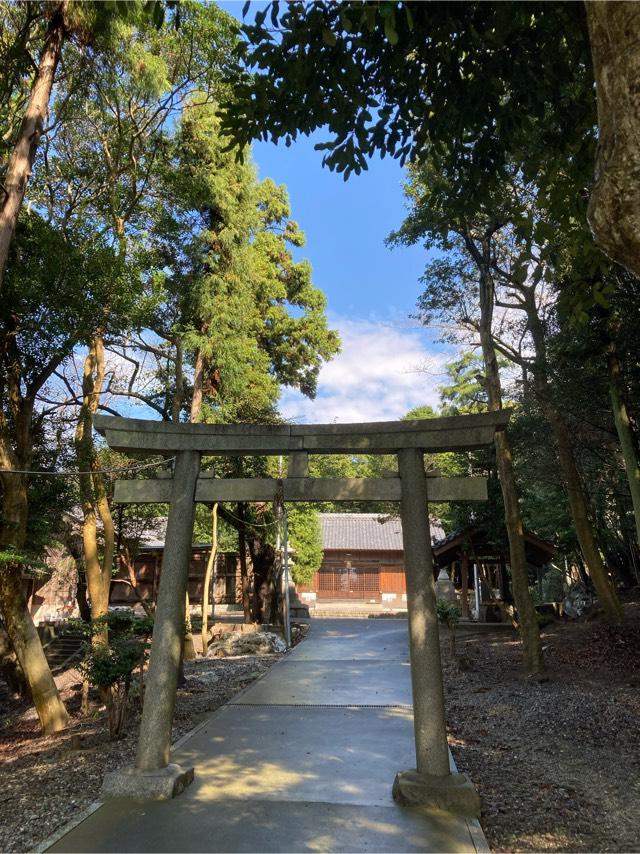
x=577 y=602
x=239 y=643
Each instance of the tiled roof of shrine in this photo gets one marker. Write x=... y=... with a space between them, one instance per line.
x=366 y=531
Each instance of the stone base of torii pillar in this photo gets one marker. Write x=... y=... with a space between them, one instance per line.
x=454 y=793
x=160 y=784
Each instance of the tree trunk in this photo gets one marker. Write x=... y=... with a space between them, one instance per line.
x=527 y=617
x=188 y=647
x=579 y=509
x=198 y=381
x=28 y=649
x=16 y=454
x=131 y=581
x=209 y=572
x=176 y=403
x=614 y=207
x=573 y=482
x=18 y=622
x=117 y=707
x=626 y=434
x=22 y=157
x=93 y=494
x=464 y=582
x=73 y=542
x=81 y=593
x=264 y=588
x=244 y=572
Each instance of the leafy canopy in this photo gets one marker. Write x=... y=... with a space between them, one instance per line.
x=472 y=84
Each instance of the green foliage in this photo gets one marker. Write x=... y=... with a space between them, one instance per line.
x=58 y=289
x=34 y=566
x=92 y=28
x=21 y=28
x=353 y=465
x=527 y=253
x=90 y=283
x=544 y=503
x=471 y=84
x=463 y=394
x=107 y=664
x=305 y=536
x=448 y=613
x=112 y=117
x=227 y=535
x=104 y=666
x=469 y=91
x=424 y=411
x=233 y=290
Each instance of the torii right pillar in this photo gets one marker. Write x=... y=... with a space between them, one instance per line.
x=432 y=783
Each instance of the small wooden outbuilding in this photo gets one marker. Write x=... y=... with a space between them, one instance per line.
x=147 y=566
x=479 y=568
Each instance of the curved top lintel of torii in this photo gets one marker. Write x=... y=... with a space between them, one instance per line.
x=430 y=435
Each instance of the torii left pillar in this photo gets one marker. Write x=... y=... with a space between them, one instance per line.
x=152 y=776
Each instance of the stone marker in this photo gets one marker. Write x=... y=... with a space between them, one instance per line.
x=445 y=588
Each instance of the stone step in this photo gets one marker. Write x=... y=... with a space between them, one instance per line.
x=318 y=614
x=64 y=650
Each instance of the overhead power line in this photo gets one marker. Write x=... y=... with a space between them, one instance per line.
x=76 y=472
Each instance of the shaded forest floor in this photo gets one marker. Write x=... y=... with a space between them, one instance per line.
x=557 y=763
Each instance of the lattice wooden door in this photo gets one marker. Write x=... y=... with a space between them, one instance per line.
x=341 y=582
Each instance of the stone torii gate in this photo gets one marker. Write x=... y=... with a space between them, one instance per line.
x=432 y=782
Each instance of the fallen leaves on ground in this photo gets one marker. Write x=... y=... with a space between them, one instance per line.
x=557 y=763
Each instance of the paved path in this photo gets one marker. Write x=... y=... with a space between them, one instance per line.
x=303 y=760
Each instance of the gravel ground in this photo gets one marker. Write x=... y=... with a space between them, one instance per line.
x=557 y=763
x=48 y=781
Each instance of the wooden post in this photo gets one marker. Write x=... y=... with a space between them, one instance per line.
x=154 y=592
x=465 y=586
x=502 y=572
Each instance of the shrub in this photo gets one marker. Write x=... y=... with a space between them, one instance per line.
x=449 y=615
x=447 y=612
x=116 y=645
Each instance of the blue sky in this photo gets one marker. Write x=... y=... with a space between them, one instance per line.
x=371 y=290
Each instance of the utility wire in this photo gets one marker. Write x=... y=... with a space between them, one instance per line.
x=76 y=472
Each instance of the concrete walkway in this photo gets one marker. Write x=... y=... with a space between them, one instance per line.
x=303 y=760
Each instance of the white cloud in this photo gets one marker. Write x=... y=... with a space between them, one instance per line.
x=383 y=371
